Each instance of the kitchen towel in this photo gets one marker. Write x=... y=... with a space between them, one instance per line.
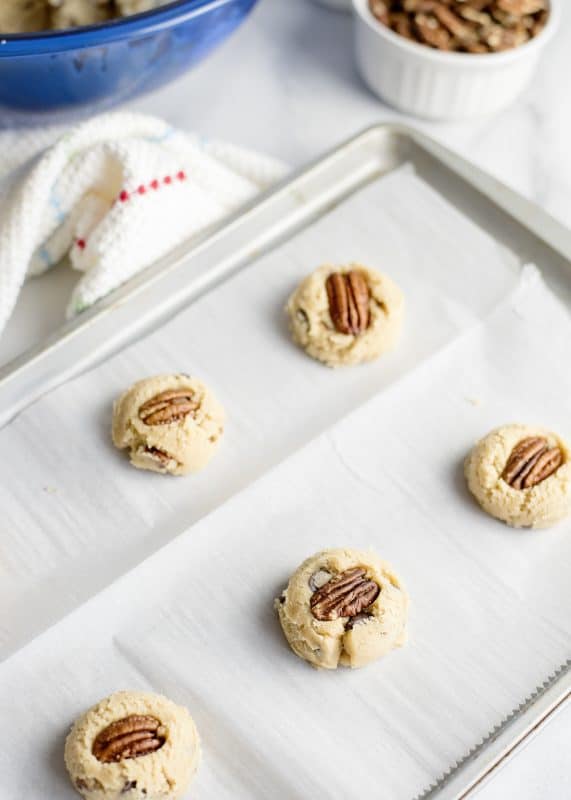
x=113 y=194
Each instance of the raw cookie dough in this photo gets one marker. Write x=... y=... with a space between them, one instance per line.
x=128 y=7
x=27 y=16
x=170 y=423
x=343 y=607
x=150 y=752
x=527 y=487
x=73 y=13
x=346 y=315
x=23 y=16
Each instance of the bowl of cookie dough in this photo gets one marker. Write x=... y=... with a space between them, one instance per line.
x=63 y=58
x=455 y=59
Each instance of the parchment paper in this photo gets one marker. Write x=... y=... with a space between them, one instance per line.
x=75 y=515
x=491 y=607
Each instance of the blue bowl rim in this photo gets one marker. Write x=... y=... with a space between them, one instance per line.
x=149 y=22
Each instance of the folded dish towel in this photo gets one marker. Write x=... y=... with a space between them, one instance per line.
x=113 y=195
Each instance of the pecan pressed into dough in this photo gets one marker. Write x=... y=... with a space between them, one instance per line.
x=168 y=407
x=531 y=462
x=131 y=737
x=346 y=595
x=348 y=295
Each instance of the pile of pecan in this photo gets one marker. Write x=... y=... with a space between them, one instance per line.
x=467 y=26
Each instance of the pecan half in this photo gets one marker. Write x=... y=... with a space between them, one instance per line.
x=431 y=32
x=348 y=296
x=521 y=7
x=131 y=737
x=168 y=407
x=531 y=462
x=345 y=595
x=453 y=23
x=472 y=14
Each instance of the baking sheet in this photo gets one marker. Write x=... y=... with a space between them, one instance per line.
x=490 y=613
x=75 y=515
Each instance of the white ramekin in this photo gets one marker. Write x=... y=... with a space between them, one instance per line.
x=438 y=85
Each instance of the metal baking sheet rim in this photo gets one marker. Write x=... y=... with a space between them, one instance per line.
x=232 y=244
x=301 y=197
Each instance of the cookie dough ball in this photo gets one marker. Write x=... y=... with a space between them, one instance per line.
x=74 y=13
x=343 y=607
x=23 y=16
x=522 y=475
x=133 y=746
x=170 y=423
x=346 y=315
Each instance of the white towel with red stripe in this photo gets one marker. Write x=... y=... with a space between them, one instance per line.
x=112 y=195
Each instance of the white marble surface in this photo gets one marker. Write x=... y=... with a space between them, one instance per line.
x=286 y=84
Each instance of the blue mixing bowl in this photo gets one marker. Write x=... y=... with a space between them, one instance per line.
x=52 y=76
